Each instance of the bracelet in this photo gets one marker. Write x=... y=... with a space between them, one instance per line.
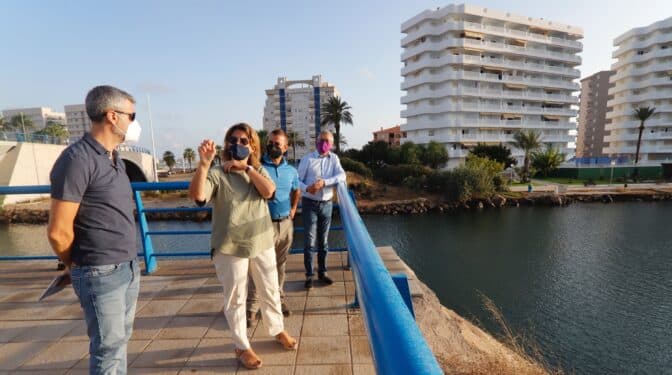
x=248 y=169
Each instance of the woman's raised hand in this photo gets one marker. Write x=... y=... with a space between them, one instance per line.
x=207 y=151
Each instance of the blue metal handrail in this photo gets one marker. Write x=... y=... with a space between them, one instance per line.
x=397 y=344
x=148 y=253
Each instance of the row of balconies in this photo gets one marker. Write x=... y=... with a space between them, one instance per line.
x=635 y=58
x=448 y=75
x=628 y=111
x=633 y=124
x=635 y=43
x=425 y=92
x=430 y=62
x=646 y=136
x=645 y=149
x=632 y=98
x=631 y=71
x=633 y=85
x=453 y=42
x=428 y=29
x=485 y=107
x=490 y=138
x=414 y=124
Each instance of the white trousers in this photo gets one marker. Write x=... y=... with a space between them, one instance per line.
x=232 y=273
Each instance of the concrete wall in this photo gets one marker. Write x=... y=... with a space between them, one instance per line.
x=30 y=164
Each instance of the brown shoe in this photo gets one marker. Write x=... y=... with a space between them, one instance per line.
x=248 y=358
x=287 y=341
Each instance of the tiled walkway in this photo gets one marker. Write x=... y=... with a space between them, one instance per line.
x=179 y=327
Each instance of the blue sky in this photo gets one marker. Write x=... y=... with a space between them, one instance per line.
x=206 y=64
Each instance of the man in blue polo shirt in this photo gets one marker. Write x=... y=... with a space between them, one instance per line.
x=92 y=228
x=282 y=207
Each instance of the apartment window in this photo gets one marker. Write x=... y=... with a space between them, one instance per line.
x=430 y=133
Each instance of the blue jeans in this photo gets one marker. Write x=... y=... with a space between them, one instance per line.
x=316 y=222
x=108 y=295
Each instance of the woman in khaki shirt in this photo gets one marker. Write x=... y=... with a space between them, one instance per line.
x=242 y=234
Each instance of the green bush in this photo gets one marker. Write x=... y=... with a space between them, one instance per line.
x=356 y=167
x=395 y=174
x=362 y=190
x=478 y=177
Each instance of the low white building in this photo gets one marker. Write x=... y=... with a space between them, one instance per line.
x=39 y=116
x=643 y=78
x=294 y=106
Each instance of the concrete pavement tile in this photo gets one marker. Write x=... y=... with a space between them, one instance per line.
x=323 y=370
x=356 y=325
x=134 y=349
x=363 y=370
x=216 y=353
x=13 y=355
x=324 y=350
x=325 y=325
x=197 y=307
x=166 y=353
x=59 y=355
x=272 y=353
x=48 y=330
x=326 y=305
x=148 y=328
x=361 y=352
x=186 y=327
x=161 y=308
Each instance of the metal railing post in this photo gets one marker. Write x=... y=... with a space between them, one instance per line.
x=147 y=247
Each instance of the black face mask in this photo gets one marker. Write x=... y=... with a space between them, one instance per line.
x=273 y=151
x=238 y=151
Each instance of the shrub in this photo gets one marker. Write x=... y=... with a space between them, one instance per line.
x=362 y=189
x=356 y=167
x=395 y=174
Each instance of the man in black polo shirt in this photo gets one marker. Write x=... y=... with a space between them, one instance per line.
x=92 y=228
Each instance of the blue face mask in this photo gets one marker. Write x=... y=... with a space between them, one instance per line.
x=238 y=151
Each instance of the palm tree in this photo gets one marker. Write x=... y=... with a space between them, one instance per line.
x=169 y=159
x=263 y=139
x=2 y=122
x=527 y=141
x=20 y=122
x=548 y=160
x=295 y=140
x=54 y=129
x=189 y=155
x=218 y=155
x=336 y=111
x=642 y=114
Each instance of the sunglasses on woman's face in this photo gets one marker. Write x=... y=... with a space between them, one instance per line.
x=235 y=140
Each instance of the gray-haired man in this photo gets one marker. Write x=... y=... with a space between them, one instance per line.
x=92 y=229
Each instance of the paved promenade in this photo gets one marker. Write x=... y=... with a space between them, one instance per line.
x=179 y=326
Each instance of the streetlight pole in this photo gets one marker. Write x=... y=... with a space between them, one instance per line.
x=613 y=162
x=151 y=131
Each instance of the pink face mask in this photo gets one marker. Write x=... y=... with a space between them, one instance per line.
x=323 y=147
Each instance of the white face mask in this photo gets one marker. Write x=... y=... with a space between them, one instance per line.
x=133 y=132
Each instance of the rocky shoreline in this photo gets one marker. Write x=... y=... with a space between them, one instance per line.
x=424 y=205
x=38 y=213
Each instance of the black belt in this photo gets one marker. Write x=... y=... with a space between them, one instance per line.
x=280 y=219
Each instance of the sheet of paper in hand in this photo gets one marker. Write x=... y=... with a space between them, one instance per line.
x=57 y=284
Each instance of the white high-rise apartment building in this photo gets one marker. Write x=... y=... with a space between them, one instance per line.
x=643 y=79
x=78 y=121
x=474 y=74
x=39 y=116
x=295 y=106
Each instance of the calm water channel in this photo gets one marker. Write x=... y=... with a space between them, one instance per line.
x=591 y=283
